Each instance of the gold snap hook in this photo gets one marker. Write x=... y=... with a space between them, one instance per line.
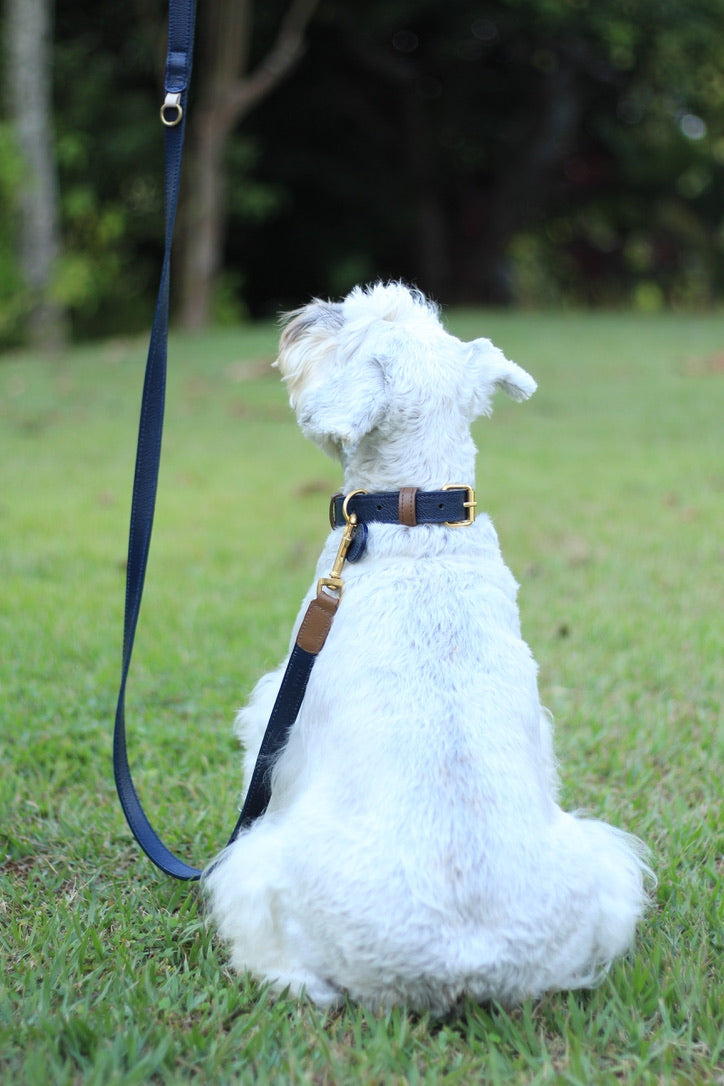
x=334 y=582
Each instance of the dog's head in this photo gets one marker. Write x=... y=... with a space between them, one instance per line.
x=380 y=362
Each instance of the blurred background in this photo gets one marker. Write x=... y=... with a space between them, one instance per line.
x=539 y=153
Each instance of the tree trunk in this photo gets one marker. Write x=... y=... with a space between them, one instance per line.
x=29 y=95
x=203 y=218
x=227 y=91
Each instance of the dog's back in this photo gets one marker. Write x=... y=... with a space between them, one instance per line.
x=413 y=850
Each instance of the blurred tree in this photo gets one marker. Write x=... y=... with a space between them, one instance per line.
x=502 y=150
x=228 y=86
x=28 y=68
x=530 y=150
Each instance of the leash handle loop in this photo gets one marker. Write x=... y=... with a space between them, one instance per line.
x=182 y=14
x=145 y=484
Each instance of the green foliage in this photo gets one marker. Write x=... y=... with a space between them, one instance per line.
x=91 y=265
x=606 y=491
x=109 y=152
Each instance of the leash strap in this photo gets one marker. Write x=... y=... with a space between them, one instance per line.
x=178 y=74
x=309 y=641
x=317 y=622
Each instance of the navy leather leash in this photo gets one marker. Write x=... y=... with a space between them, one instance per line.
x=317 y=622
x=177 y=77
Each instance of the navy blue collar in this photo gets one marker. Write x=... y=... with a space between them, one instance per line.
x=454 y=506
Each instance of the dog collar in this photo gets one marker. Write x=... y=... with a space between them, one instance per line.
x=453 y=506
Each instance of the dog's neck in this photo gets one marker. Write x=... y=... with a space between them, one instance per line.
x=423 y=464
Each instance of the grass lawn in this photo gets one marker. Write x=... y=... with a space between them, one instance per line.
x=607 y=492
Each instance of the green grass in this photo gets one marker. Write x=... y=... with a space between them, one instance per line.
x=607 y=493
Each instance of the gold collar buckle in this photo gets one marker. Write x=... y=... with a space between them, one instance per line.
x=469 y=504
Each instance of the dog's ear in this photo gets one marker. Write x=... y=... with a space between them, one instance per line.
x=493 y=371
x=309 y=335
x=338 y=411
x=337 y=399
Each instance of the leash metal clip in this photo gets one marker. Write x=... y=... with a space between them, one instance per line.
x=334 y=582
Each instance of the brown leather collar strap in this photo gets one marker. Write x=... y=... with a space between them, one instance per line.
x=406 y=506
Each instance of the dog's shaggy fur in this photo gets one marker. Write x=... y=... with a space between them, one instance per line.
x=413 y=851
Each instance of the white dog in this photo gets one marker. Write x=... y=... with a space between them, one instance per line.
x=413 y=850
